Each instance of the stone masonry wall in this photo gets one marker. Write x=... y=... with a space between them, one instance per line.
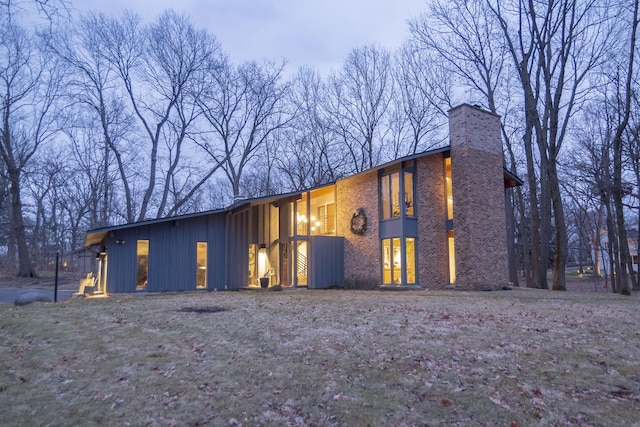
x=433 y=267
x=361 y=252
x=478 y=198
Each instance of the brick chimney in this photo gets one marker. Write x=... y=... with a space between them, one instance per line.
x=479 y=221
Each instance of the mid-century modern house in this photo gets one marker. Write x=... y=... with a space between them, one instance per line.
x=429 y=220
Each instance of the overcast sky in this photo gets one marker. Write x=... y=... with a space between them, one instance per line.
x=318 y=33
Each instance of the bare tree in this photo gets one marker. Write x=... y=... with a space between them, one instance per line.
x=310 y=153
x=359 y=98
x=29 y=87
x=625 y=98
x=465 y=39
x=244 y=106
x=422 y=89
x=553 y=46
x=96 y=102
x=160 y=68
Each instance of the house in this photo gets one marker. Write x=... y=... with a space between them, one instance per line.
x=600 y=253
x=429 y=220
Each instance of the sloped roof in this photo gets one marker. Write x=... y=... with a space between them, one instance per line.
x=95 y=236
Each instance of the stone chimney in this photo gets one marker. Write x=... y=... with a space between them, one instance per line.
x=479 y=222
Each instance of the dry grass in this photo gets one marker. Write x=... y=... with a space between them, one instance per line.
x=514 y=358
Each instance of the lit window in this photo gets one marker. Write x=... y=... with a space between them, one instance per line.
x=201 y=267
x=394 y=261
x=397 y=195
x=302 y=263
x=302 y=218
x=408 y=194
x=452 y=257
x=448 y=185
x=410 y=244
x=142 y=272
x=323 y=211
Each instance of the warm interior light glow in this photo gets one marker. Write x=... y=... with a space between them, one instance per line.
x=201 y=265
x=142 y=252
x=448 y=186
x=263 y=263
x=452 y=258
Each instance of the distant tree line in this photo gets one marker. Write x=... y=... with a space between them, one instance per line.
x=109 y=120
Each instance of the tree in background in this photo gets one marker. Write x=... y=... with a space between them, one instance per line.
x=30 y=86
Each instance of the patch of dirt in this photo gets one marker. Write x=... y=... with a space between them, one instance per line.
x=200 y=310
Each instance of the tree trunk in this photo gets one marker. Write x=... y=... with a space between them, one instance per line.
x=25 y=267
x=560 y=255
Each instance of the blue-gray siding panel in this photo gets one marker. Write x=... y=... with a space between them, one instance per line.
x=121 y=273
x=172 y=254
x=326 y=267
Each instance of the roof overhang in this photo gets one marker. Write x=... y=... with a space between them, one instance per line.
x=510 y=179
x=94 y=238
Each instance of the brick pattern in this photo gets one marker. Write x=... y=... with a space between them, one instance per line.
x=361 y=252
x=433 y=267
x=478 y=198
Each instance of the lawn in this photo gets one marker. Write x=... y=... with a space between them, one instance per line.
x=323 y=358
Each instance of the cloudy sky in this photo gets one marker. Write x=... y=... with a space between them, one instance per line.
x=318 y=33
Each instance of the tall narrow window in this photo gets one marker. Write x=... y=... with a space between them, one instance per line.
x=452 y=257
x=302 y=266
x=201 y=267
x=448 y=186
x=408 y=194
x=386 y=197
x=395 y=194
x=253 y=265
x=302 y=219
x=331 y=218
x=142 y=272
x=411 y=260
x=386 y=262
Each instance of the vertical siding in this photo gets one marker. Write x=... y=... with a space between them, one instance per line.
x=121 y=274
x=238 y=247
x=172 y=254
x=217 y=254
x=326 y=267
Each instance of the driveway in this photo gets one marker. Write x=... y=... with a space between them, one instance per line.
x=11 y=294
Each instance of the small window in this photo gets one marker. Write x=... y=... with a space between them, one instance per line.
x=201 y=267
x=142 y=272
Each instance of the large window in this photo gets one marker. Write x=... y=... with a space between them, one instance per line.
x=322 y=218
x=142 y=272
x=201 y=267
x=397 y=195
x=399 y=261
